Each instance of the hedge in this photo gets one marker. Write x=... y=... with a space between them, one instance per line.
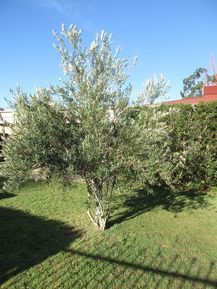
x=181 y=149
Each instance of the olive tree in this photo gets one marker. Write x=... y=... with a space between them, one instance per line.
x=39 y=139
x=78 y=127
x=154 y=88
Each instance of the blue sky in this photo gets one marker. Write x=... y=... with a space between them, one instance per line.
x=169 y=37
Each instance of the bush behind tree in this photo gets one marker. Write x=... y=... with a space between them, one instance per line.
x=178 y=145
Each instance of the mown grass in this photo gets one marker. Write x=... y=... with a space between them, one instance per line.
x=164 y=241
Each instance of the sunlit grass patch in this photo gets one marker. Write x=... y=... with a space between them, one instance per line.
x=47 y=241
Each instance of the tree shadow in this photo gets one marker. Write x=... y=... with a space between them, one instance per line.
x=107 y=264
x=140 y=202
x=4 y=195
x=27 y=240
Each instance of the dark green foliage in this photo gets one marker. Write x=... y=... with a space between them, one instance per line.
x=196 y=136
x=192 y=85
x=184 y=150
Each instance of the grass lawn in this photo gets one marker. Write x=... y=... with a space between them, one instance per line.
x=47 y=241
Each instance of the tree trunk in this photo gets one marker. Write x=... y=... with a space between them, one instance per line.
x=99 y=219
x=100 y=212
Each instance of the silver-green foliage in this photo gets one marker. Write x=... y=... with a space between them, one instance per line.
x=154 y=88
x=79 y=127
x=38 y=141
x=151 y=151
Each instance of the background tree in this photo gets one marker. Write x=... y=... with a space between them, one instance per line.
x=192 y=85
x=79 y=127
x=153 y=89
x=39 y=139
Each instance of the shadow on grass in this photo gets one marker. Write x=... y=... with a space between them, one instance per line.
x=113 y=267
x=4 y=195
x=160 y=274
x=140 y=202
x=27 y=240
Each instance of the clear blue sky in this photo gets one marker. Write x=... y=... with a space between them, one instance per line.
x=169 y=37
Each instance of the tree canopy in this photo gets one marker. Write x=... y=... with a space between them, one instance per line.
x=154 y=88
x=78 y=127
x=193 y=84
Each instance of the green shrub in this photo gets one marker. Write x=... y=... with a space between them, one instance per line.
x=177 y=145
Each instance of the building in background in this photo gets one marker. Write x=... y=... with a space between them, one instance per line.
x=6 y=120
x=209 y=94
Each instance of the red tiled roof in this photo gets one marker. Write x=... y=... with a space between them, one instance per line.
x=192 y=100
x=209 y=94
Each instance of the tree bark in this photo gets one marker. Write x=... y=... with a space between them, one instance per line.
x=99 y=219
x=100 y=215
